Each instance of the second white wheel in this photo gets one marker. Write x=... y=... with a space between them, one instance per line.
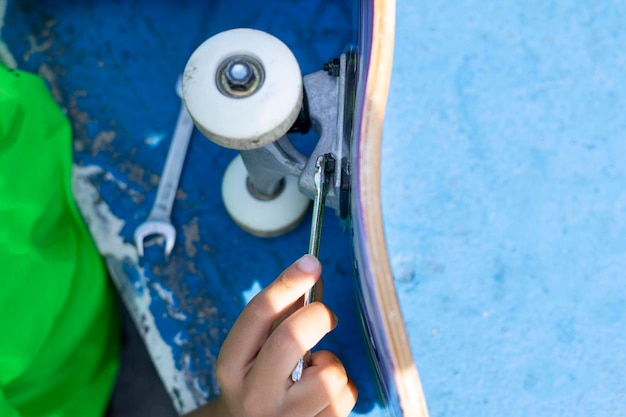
x=263 y=218
x=243 y=88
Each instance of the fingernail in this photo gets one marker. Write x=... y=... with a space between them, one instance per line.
x=308 y=264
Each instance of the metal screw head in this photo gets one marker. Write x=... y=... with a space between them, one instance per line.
x=240 y=76
x=332 y=67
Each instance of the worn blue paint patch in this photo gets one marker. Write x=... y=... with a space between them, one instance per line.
x=505 y=206
x=113 y=67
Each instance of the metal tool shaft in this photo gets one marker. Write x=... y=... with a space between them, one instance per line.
x=320 y=181
x=321 y=188
x=158 y=221
x=170 y=177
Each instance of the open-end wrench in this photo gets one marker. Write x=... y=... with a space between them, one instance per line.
x=324 y=167
x=158 y=221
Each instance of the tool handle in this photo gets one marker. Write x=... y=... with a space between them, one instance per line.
x=166 y=192
x=320 y=180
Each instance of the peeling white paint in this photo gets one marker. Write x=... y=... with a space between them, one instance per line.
x=199 y=388
x=180 y=340
x=121 y=184
x=168 y=296
x=103 y=224
x=6 y=57
x=106 y=228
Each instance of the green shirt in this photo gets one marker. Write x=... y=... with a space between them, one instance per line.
x=58 y=316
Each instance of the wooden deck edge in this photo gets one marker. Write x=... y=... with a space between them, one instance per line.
x=407 y=379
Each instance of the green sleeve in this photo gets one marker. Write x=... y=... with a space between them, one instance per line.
x=6 y=409
x=59 y=344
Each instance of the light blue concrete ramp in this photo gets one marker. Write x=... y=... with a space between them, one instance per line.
x=504 y=196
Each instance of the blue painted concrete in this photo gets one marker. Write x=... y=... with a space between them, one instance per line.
x=113 y=66
x=504 y=196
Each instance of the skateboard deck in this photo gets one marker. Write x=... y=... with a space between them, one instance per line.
x=384 y=324
x=116 y=82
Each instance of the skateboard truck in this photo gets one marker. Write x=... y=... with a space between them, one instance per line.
x=244 y=90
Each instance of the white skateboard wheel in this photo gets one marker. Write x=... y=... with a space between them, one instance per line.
x=263 y=218
x=248 y=115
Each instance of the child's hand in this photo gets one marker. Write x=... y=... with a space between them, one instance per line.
x=255 y=363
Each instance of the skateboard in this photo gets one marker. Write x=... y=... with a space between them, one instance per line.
x=386 y=325
x=383 y=319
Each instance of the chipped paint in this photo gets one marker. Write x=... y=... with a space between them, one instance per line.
x=168 y=296
x=180 y=340
x=106 y=230
x=79 y=120
x=6 y=57
x=122 y=185
x=191 y=231
x=50 y=75
x=48 y=40
x=102 y=140
x=119 y=255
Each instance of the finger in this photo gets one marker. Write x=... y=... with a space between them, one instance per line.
x=343 y=404
x=322 y=383
x=253 y=326
x=288 y=343
x=299 y=303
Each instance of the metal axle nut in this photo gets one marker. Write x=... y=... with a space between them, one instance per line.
x=240 y=76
